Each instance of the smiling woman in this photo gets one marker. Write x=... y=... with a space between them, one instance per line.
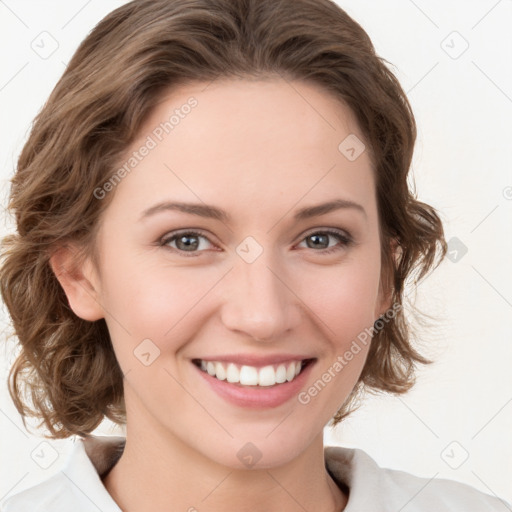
x=238 y=287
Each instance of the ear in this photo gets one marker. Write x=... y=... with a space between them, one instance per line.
x=386 y=281
x=80 y=282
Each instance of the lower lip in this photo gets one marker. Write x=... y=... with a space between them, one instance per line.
x=257 y=397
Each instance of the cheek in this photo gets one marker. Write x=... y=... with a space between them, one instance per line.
x=169 y=304
x=344 y=298
x=153 y=302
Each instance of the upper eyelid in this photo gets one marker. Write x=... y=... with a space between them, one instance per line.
x=174 y=234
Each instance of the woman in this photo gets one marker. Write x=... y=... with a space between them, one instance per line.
x=214 y=232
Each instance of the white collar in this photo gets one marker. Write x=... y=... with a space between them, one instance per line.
x=371 y=488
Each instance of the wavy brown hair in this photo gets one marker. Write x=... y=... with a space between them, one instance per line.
x=66 y=373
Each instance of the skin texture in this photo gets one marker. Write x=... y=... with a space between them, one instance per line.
x=260 y=150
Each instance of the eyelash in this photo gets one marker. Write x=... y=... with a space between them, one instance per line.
x=345 y=239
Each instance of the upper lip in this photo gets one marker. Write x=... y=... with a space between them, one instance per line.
x=255 y=360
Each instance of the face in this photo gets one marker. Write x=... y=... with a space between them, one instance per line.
x=270 y=282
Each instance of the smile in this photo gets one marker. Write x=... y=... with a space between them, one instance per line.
x=245 y=375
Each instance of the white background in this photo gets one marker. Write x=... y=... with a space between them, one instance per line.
x=462 y=405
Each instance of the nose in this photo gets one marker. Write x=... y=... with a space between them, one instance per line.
x=260 y=302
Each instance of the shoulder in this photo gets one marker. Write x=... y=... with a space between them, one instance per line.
x=77 y=487
x=51 y=494
x=372 y=487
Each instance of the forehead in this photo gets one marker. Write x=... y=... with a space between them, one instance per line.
x=249 y=112
x=254 y=141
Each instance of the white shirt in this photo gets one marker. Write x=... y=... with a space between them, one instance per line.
x=78 y=486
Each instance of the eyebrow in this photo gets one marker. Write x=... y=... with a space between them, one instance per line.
x=213 y=212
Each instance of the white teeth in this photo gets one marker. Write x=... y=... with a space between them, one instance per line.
x=220 y=372
x=250 y=375
x=232 y=373
x=267 y=376
x=210 y=368
x=281 y=374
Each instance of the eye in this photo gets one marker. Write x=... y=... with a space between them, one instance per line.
x=190 y=241
x=185 y=242
x=320 y=239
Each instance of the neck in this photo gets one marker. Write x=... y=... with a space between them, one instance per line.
x=159 y=472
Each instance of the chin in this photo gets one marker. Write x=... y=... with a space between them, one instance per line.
x=257 y=450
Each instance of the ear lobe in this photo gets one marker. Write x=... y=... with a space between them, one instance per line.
x=79 y=282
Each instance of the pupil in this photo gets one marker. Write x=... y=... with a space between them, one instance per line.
x=185 y=240
x=317 y=238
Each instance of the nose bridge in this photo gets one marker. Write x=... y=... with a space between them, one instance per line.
x=259 y=303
